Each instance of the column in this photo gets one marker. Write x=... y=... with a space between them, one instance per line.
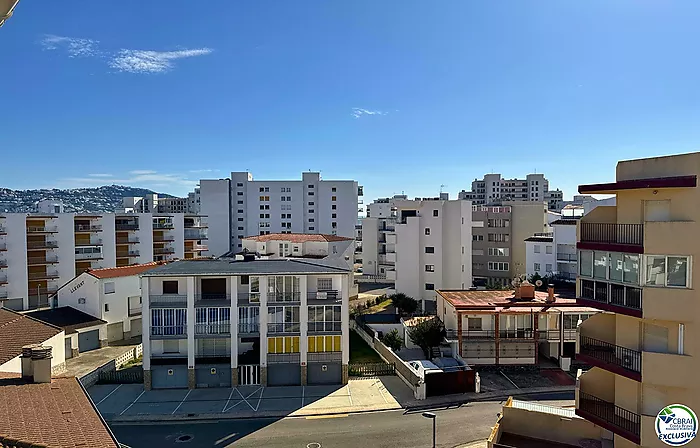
x=345 y=324
x=459 y=332
x=233 y=288
x=263 y=331
x=497 y=335
x=190 y=333
x=303 y=328
x=146 y=333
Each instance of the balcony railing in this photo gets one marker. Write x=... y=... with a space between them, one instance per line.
x=247 y=298
x=471 y=334
x=4 y=294
x=277 y=297
x=566 y=257
x=555 y=334
x=163 y=225
x=133 y=240
x=169 y=330
x=249 y=327
x=87 y=228
x=331 y=295
x=283 y=358
x=212 y=298
x=619 y=418
x=321 y=327
x=126 y=226
x=42 y=275
x=612 y=294
x=517 y=334
x=212 y=328
x=129 y=254
x=3 y=279
x=89 y=256
x=611 y=354
x=168 y=299
x=42 y=229
x=91 y=242
x=135 y=310
x=42 y=244
x=612 y=233
x=163 y=239
x=3 y=263
x=48 y=259
x=287 y=327
x=195 y=235
x=3 y=246
x=566 y=276
x=163 y=250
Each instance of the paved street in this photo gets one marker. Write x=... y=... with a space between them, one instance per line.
x=455 y=426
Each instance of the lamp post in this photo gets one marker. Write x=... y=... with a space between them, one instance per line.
x=431 y=416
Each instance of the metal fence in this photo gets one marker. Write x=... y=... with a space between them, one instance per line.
x=611 y=353
x=132 y=375
x=371 y=369
x=609 y=412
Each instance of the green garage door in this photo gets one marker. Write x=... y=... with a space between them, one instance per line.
x=88 y=340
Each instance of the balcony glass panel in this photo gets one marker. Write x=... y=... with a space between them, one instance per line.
x=656 y=271
x=616 y=266
x=586 y=263
x=600 y=265
x=677 y=271
x=631 y=267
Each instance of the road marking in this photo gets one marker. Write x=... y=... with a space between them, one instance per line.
x=319 y=417
x=259 y=398
x=183 y=400
x=223 y=439
x=133 y=402
x=511 y=382
x=382 y=393
x=113 y=391
x=349 y=394
x=229 y=399
x=302 y=396
x=244 y=399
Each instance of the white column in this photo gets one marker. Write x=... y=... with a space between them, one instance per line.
x=303 y=321
x=145 y=324
x=190 y=322
x=233 y=282
x=345 y=316
x=263 y=321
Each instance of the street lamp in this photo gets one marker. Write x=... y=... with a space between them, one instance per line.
x=431 y=416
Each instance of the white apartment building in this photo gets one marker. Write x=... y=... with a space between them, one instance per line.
x=300 y=245
x=39 y=252
x=272 y=322
x=240 y=206
x=493 y=188
x=554 y=253
x=152 y=203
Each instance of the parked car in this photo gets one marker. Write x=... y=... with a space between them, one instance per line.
x=424 y=367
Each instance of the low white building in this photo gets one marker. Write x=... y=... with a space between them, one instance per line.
x=111 y=294
x=293 y=245
x=541 y=258
x=554 y=254
x=18 y=330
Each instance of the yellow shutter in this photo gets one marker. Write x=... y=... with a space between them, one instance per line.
x=319 y=343
x=271 y=345
x=336 y=344
x=279 y=344
x=295 y=344
x=329 y=344
x=312 y=344
x=287 y=344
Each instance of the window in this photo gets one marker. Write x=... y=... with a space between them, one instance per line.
x=600 y=265
x=429 y=286
x=311 y=193
x=239 y=184
x=311 y=210
x=666 y=271
x=289 y=198
x=435 y=213
x=548 y=267
x=499 y=251
x=335 y=249
x=296 y=248
x=325 y=318
x=282 y=198
x=429 y=250
x=262 y=215
x=548 y=249
x=240 y=202
x=586 y=263
x=334 y=225
x=537 y=267
x=427 y=230
x=311 y=219
x=262 y=198
x=311 y=228
x=474 y=323
x=262 y=190
x=240 y=228
x=538 y=249
x=477 y=237
x=498 y=266
x=499 y=237
x=109 y=288
x=169 y=287
x=283 y=319
x=240 y=237
x=240 y=219
x=283 y=344
x=106 y=307
x=169 y=321
x=429 y=268
x=311 y=203
x=310 y=186
x=333 y=198
x=462 y=250
x=333 y=207
x=334 y=215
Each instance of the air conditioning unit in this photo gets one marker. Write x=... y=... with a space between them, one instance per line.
x=627 y=361
x=321 y=295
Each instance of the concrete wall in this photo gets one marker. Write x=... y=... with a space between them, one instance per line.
x=86 y=287
x=370 y=246
x=57 y=343
x=215 y=204
x=527 y=219
x=543 y=258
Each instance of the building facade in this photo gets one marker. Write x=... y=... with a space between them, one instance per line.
x=493 y=188
x=240 y=206
x=267 y=322
x=635 y=262
x=42 y=251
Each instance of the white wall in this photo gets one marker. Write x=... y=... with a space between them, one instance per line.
x=58 y=352
x=543 y=258
x=109 y=240
x=16 y=256
x=124 y=287
x=157 y=346
x=215 y=204
x=370 y=245
x=84 y=286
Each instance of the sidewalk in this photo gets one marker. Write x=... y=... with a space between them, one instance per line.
x=89 y=361
x=451 y=400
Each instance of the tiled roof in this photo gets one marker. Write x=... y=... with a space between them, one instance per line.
x=123 y=271
x=18 y=330
x=492 y=300
x=297 y=238
x=66 y=317
x=57 y=415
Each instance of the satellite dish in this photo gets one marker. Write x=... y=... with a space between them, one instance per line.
x=538 y=283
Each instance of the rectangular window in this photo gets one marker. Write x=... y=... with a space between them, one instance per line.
x=311 y=203
x=616 y=267
x=333 y=198
x=429 y=286
x=333 y=207
x=169 y=287
x=435 y=213
x=474 y=323
x=548 y=268
x=429 y=250
x=600 y=265
x=325 y=318
x=538 y=249
x=537 y=267
x=548 y=249
x=240 y=193
x=429 y=268
x=169 y=321
x=106 y=307
x=427 y=230
x=262 y=190
x=310 y=186
x=239 y=184
x=667 y=271
x=240 y=202
x=283 y=344
x=586 y=263
x=282 y=198
x=311 y=193
x=311 y=210
x=109 y=288
x=334 y=216
x=333 y=189
x=283 y=319
x=262 y=198
x=324 y=284
x=311 y=219
x=311 y=228
x=262 y=215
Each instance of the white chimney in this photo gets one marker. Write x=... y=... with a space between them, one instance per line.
x=41 y=360
x=27 y=365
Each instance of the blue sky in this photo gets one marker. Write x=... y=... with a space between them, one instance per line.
x=400 y=95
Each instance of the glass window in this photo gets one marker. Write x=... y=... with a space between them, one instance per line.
x=170 y=287
x=656 y=271
x=631 y=269
x=677 y=271
x=109 y=288
x=600 y=265
x=537 y=248
x=616 y=266
x=474 y=323
x=548 y=249
x=586 y=263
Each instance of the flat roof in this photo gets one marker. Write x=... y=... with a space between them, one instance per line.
x=540 y=239
x=298 y=237
x=66 y=317
x=637 y=184
x=219 y=267
x=505 y=301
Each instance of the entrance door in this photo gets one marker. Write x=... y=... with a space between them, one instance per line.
x=657 y=210
x=69 y=352
x=249 y=375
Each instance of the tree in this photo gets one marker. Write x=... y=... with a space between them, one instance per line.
x=393 y=340
x=426 y=334
x=404 y=303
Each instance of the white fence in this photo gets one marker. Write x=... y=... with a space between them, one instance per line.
x=89 y=379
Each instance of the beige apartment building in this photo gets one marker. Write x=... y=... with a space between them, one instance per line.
x=636 y=263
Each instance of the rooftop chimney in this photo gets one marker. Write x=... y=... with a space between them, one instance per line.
x=550 y=294
x=27 y=365
x=41 y=360
x=527 y=291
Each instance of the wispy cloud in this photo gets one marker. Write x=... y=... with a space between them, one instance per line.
x=74 y=46
x=100 y=175
x=358 y=112
x=148 y=61
x=137 y=178
x=208 y=170
x=142 y=172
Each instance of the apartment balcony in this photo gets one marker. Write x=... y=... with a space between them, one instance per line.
x=91 y=242
x=613 y=358
x=453 y=335
x=163 y=239
x=195 y=235
x=323 y=297
x=129 y=254
x=196 y=248
x=42 y=275
x=42 y=244
x=287 y=327
x=3 y=263
x=163 y=225
x=611 y=237
x=3 y=230
x=126 y=226
x=163 y=250
x=249 y=328
x=122 y=241
x=3 y=279
x=555 y=334
x=196 y=224
x=212 y=299
x=83 y=228
x=89 y=256
x=387 y=229
x=168 y=300
x=325 y=327
x=213 y=329
x=169 y=332
x=135 y=310
x=620 y=421
x=42 y=229
x=48 y=259
x=612 y=297
x=567 y=258
x=3 y=247
x=3 y=294
x=283 y=297
x=248 y=298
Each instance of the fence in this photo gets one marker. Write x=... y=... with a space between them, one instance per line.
x=371 y=369
x=132 y=375
x=93 y=377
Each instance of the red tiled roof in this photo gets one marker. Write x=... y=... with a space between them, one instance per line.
x=298 y=238
x=123 y=271
x=500 y=300
x=18 y=330
x=58 y=414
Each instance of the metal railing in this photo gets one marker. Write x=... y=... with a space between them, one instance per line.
x=163 y=225
x=245 y=298
x=611 y=354
x=88 y=256
x=42 y=244
x=42 y=229
x=168 y=299
x=516 y=334
x=471 y=334
x=49 y=258
x=87 y=228
x=163 y=239
x=283 y=358
x=195 y=235
x=612 y=233
x=126 y=226
x=127 y=240
x=280 y=297
x=42 y=275
x=319 y=327
x=91 y=242
x=609 y=412
x=212 y=296
x=555 y=334
x=566 y=257
x=212 y=328
x=249 y=327
x=3 y=263
x=163 y=250
x=287 y=327
x=568 y=276
x=323 y=295
x=135 y=311
x=169 y=330
x=612 y=293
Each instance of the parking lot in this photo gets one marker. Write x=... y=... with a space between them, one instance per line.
x=128 y=401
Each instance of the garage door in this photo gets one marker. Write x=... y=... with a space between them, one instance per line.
x=89 y=340
x=324 y=373
x=213 y=375
x=169 y=377
x=115 y=332
x=69 y=352
x=136 y=327
x=283 y=375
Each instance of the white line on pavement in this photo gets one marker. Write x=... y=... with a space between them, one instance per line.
x=113 y=391
x=511 y=381
x=229 y=399
x=349 y=394
x=223 y=439
x=302 y=396
x=133 y=402
x=244 y=399
x=183 y=400
x=259 y=398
